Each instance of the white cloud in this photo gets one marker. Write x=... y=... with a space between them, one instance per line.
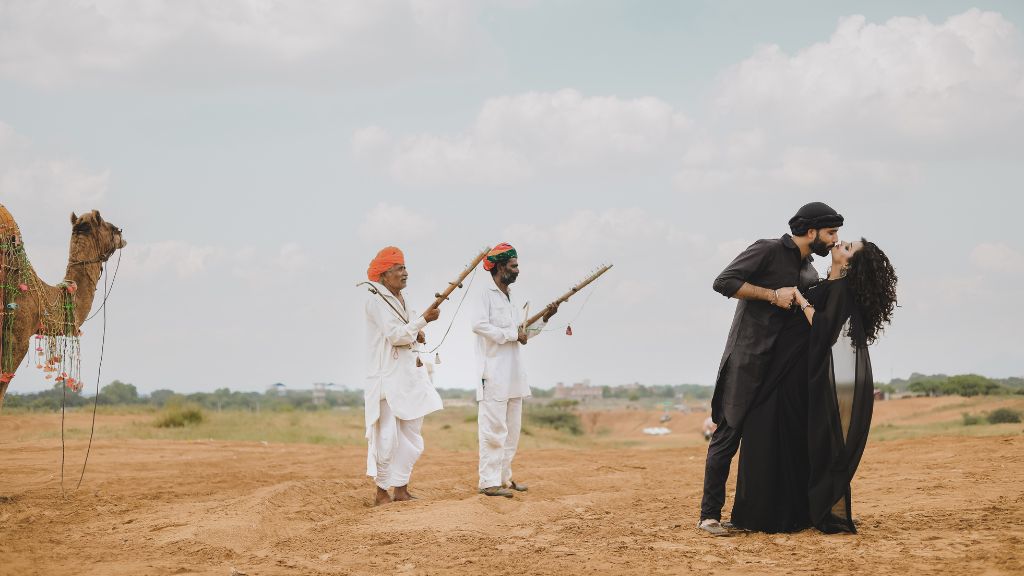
x=905 y=81
x=51 y=42
x=997 y=257
x=28 y=176
x=750 y=161
x=590 y=234
x=156 y=260
x=41 y=191
x=370 y=144
x=864 y=110
x=388 y=223
x=287 y=264
x=513 y=138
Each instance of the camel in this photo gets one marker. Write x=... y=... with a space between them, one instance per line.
x=34 y=312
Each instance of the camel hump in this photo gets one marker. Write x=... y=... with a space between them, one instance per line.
x=7 y=224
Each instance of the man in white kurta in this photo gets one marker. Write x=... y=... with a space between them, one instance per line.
x=398 y=391
x=502 y=386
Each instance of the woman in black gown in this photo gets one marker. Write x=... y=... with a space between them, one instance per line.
x=805 y=432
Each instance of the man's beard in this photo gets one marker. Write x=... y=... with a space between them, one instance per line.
x=509 y=277
x=820 y=248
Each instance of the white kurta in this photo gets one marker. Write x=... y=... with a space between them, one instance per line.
x=499 y=362
x=502 y=383
x=391 y=371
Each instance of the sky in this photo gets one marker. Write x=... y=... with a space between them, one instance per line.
x=257 y=154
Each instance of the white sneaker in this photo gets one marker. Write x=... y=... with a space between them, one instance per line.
x=712 y=527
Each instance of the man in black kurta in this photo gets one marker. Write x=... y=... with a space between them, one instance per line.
x=762 y=278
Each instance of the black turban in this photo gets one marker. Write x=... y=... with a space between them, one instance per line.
x=816 y=215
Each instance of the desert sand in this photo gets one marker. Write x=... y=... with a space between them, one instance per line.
x=940 y=504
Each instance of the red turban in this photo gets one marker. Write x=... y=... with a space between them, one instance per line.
x=385 y=259
x=500 y=253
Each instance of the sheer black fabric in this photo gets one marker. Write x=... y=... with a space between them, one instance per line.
x=806 y=430
x=841 y=400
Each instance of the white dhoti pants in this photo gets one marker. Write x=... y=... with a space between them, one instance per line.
x=397 y=444
x=498 y=425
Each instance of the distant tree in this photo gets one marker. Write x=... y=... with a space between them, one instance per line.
x=696 y=391
x=562 y=404
x=970 y=385
x=118 y=392
x=221 y=397
x=161 y=397
x=1013 y=383
x=456 y=393
x=929 y=387
x=47 y=400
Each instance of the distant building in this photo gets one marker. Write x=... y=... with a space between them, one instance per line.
x=320 y=392
x=580 y=391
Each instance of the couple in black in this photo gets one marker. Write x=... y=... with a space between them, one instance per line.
x=795 y=380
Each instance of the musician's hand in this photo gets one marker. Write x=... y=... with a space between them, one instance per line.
x=421 y=337
x=550 y=311
x=431 y=315
x=522 y=336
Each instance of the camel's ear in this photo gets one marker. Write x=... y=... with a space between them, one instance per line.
x=74 y=219
x=99 y=219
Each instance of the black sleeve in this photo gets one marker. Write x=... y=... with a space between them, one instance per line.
x=748 y=263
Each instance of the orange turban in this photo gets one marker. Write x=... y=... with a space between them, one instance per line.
x=383 y=262
x=500 y=253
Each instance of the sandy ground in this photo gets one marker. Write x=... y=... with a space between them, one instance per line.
x=950 y=505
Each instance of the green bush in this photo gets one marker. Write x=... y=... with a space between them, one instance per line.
x=1003 y=416
x=563 y=404
x=971 y=419
x=557 y=416
x=180 y=416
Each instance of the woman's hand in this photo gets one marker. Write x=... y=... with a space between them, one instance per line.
x=806 y=307
x=799 y=298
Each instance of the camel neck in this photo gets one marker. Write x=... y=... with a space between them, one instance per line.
x=84 y=270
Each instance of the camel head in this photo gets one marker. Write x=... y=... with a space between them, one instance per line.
x=102 y=236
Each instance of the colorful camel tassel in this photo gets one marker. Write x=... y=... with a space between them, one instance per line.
x=568 y=330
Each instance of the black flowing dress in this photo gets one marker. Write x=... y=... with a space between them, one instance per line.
x=804 y=434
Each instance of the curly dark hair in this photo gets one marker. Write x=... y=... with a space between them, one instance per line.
x=873 y=280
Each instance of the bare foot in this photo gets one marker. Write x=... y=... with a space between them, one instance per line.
x=402 y=493
x=381 y=497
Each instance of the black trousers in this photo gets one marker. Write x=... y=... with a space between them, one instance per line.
x=724 y=444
